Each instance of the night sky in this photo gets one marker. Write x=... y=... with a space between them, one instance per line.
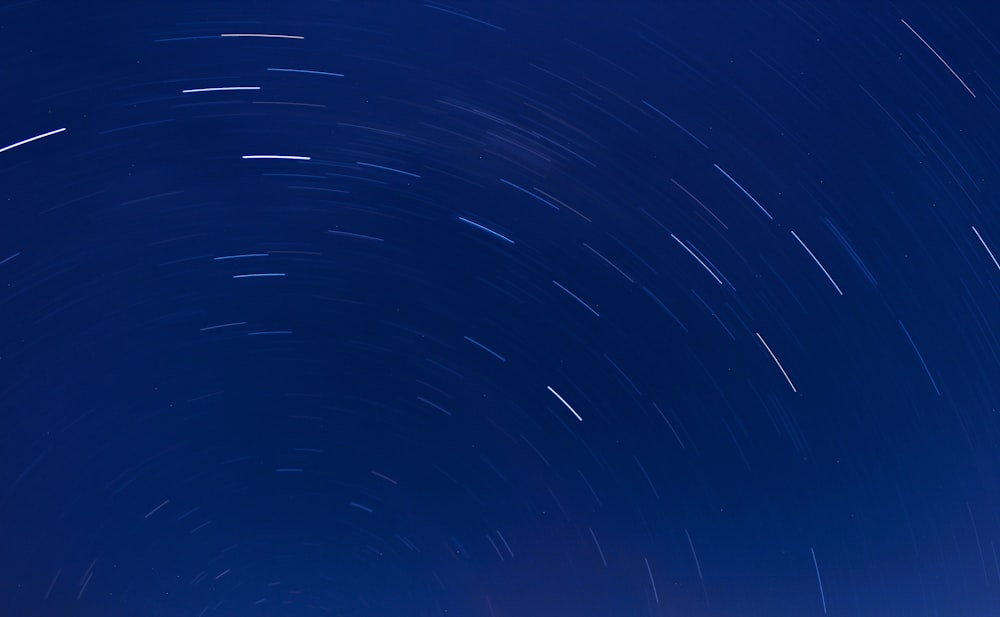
x=499 y=308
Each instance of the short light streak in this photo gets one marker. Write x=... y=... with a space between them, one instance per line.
x=653 y=582
x=392 y=169
x=707 y=269
x=17 y=254
x=485 y=348
x=775 y=358
x=308 y=72
x=530 y=194
x=225 y=325
x=745 y=192
x=434 y=405
x=507 y=546
x=263 y=36
x=699 y=202
x=608 y=261
x=53 y=583
x=348 y=234
x=157 y=508
x=244 y=256
x=822 y=595
x=676 y=124
x=464 y=16
x=384 y=477
x=563 y=401
x=486 y=229
x=697 y=565
x=31 y=139
x=282 y=157
x=829 y=278
x=920 y=356
x=577 y=298
x=186 y=38
x=361 y=507
x=938 y=56
x=219 y=89
x=976 y=231
x=599 y=551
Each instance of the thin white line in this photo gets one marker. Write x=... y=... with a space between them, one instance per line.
x=986 y=247
x=220 y=89
x=696 y=564
x=286 y=157
x=225 y=325
x=504 y=540
x=53 y=583
x=575 y=297
x=599 y=551
x=648 y=569
x=486 y=229
x=3 y=261
x=822 y=595
x=696 y=257
x=327 y=73
x=745 y=192
x=948 y=66
x=775 y=358
x=607 y=261
x=31 y=139
x=266 y=36
x=157 y=508
x=563 y=401
x=86 y=581
x=384 y=477
x=830 y=278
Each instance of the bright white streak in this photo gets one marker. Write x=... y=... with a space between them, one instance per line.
x=830 y=278
x=219 y=89
x=775 y=358
x=284 y=157
x=986 y=247
x=31 y=139
x=563 y=401
x=266 y=36
x=938 y=56
x=707 y=269
x=745 y=192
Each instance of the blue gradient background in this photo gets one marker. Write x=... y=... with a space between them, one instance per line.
x=503 y=201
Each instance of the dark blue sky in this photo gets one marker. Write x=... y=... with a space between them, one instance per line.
x=500 y=309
